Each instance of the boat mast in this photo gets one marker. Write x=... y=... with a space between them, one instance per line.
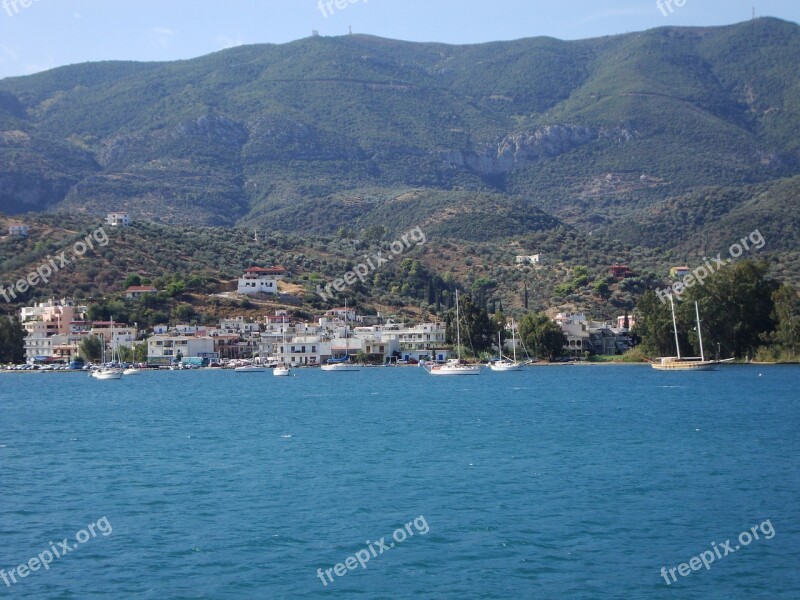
x=458 y=330
x=675 y=327
x=513 y=341
x=283 y=324
x=699 y=332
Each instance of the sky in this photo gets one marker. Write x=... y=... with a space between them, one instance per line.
x=36 y=35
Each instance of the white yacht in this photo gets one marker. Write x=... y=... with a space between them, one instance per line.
x=108 y=373
x=282 y=369
x=454 y=366
x=344 y=363
x=250 y=369
x=506 y=364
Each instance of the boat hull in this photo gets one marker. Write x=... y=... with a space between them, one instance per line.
x=460 y=370
x=250 y=370
x=685 y=366
x=340 y=367
x=504 y=367
x=107 y=375
x=280 y=372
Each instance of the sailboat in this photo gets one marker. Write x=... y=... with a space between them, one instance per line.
x=690 y=363
x=108 y=373
x=505 y=363
x=282 y=370
x=454 y=366
x=344 y=363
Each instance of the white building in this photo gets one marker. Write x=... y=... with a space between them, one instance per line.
x=118 y=219
x=257 y=280
x=239 y=325
x=532 y=259
x=575 y=328
x=592 y=336
x=345 y=314
x=184 y=329
x=120 y=333
x=43 y=321
x=21 y=230
x=163 y=348
x=304 y=350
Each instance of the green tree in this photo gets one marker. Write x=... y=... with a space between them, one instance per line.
x=499 y=321
x=137 y=353
x=132 y=280
x=125 y=354
x=12 y=340
x=91 y=348
x=374 y=233
x=654 y=325
x=542 y=335
x=601 y=288
x=580 y=276
x=787 y=315
x=736 y=306
x=478 y=331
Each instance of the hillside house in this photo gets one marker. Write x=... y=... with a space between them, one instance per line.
x=258 y=280
x=118 y=219
x=18 y=230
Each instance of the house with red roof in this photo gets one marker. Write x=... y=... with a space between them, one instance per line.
x=137 y=291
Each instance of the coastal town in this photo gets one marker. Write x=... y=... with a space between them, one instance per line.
x=56 y=329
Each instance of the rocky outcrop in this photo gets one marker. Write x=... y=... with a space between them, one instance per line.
x=523 y=148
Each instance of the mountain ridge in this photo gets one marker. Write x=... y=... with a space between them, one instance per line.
x=591 y=132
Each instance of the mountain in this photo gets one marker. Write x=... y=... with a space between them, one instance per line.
x=482 y=142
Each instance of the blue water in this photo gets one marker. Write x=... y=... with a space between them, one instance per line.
x=557 y=482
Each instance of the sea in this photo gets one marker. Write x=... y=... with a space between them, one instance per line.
x=572 y=481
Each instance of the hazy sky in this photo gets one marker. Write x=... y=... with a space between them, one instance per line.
x=49 y=33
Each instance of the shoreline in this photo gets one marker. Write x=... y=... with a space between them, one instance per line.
x=535 y=365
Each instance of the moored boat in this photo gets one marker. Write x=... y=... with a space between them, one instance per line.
x=344 y=363
x=250 y=369
x=690 y=363
x=282 y=369
x=455 y=366
x=506 y=364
